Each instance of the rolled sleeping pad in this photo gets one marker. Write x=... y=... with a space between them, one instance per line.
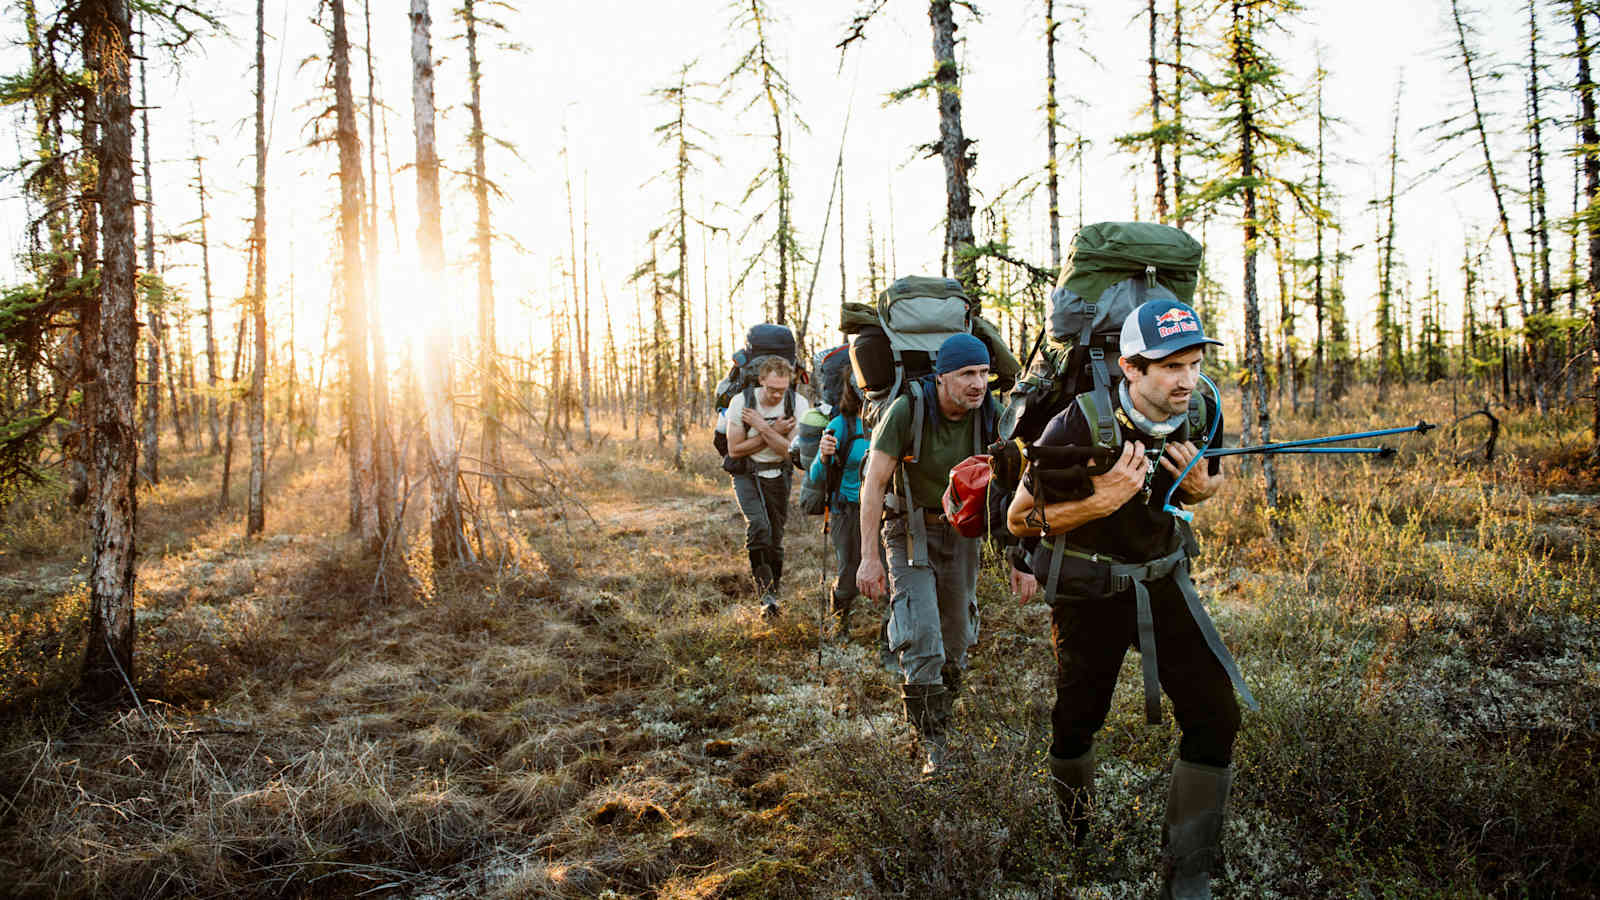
x=807 y=438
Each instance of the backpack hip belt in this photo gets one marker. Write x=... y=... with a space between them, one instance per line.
x=1137 y=576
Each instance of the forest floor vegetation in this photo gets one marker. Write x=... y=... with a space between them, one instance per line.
x=605 y=713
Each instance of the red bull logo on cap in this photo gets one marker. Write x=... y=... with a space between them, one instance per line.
x=1175 y=321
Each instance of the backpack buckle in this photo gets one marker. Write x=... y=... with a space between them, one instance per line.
x=1098 y=354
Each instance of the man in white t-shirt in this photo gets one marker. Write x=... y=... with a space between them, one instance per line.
x=761 y=420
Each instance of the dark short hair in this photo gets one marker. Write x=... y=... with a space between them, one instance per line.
x=1139 y=362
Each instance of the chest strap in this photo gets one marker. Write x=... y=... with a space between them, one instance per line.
x=1137 y=575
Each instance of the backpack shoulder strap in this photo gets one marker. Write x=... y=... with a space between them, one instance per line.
x=919 y=417
x=788 y=403
x=1199 y=416
x=1102 y=420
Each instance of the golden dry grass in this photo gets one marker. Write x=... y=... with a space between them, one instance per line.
x=606 y=715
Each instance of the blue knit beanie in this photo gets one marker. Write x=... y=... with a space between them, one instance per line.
x=959 y=351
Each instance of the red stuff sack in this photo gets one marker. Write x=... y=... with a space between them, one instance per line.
x=966 y=500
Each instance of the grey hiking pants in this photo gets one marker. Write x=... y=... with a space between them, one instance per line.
x=933 y=615
x=765 y=504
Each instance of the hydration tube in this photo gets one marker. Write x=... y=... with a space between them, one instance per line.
x=1166 y=504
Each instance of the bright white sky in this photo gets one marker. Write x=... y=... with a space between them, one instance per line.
x=588 y=68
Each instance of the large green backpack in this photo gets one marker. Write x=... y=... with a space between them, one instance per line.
x=1111 y=268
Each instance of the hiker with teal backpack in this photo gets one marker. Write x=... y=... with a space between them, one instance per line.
x=840 y=456
x=762 y=412
x=1114 y=561
x=931 y=572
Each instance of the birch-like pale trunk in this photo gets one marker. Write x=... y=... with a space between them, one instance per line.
x=255 y=516
x=384 y=460
x=212 y=424
x=370 y=525
x=153 y=325
x=446 y=528
x=108 y=655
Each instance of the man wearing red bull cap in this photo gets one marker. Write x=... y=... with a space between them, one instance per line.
x=1117 y=569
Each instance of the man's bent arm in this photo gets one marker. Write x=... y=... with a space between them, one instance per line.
x=874 y=482
x=1062 y=516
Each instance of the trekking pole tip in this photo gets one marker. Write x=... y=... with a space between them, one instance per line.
x=1424 y=427
x=1386 y=452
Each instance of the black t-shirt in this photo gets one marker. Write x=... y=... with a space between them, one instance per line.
x=1140 y=530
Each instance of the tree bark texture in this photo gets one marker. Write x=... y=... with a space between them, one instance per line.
x=108 y=657
x=446 y=528
x=255 y=517
x=152 y=310
x=372 y=527
x=1052 y=116
x=488 y=371
x=954 y=148
x=384 y=460
x=1591 y=193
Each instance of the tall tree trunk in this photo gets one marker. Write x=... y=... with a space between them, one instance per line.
x=1591 y=192
x=152 y=311
x=1052 y=117
x=372 y=527
x=1480 y=129
x=1244 y=27
x=1180 y=213
x=954 y=148
x=255 y=518
x=1543 y=338
x=1387 y=351
x=446 y=526
x=1319 y=376
x=682 y=170
x=384 y=459
x=108 y=655
x=1162 y=211
x=488 y=362
x=211 y=338
x=581 y=317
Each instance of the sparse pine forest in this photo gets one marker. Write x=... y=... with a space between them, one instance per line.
x=361 y=532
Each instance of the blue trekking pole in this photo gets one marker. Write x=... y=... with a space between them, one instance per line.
x=1306 y=446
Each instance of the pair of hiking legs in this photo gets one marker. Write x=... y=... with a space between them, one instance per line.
x=764 y=501
x=1091 y=637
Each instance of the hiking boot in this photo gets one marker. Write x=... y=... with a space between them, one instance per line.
x=1191 y=839
x=769 y=605
x=928 y=709
x=950 y=674
x=1073 y=783
x=841 y=616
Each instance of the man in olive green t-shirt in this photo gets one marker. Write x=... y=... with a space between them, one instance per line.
x=932 y=569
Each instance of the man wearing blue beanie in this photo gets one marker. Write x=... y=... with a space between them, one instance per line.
x=932 y=570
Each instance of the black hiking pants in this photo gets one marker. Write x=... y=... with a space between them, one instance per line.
x=1092 y=636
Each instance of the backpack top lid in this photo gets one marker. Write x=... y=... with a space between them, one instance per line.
x=918 y=312
x=770 y=340
x=832 y=368
x=1102 y=259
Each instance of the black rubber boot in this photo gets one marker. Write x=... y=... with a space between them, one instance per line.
x=1191 y=839
x=928 y=710
x=1073 y=783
